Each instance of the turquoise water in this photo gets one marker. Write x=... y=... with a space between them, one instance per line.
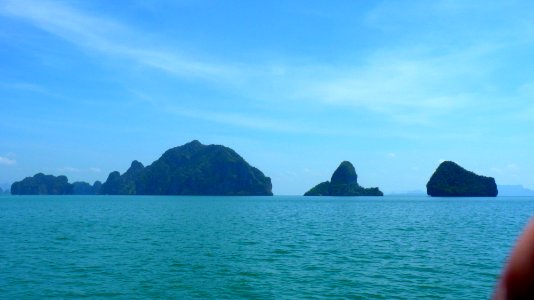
x=255 y=247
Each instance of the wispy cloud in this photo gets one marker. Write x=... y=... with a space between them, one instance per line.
x=244 y=120
x=109 y=37
x=23 y=86
x=510 y=168
x=229 y=118
x=415 y=83
x=31 y=88
x=409 y=85
x=429 y=72
x=69 y=169
x=7 y=161
x=235 y=119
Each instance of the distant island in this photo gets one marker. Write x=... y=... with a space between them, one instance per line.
x=41 y=184
x=514 y=191
x=197 y=169
x=344 y=182
x=416 y=193
x=190 y=169
x=451 y=180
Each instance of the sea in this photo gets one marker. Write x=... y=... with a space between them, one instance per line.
x=281 y=247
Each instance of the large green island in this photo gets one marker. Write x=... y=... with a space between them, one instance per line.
x=190 y=169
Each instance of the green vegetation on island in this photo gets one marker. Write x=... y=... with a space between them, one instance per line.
x=191 y=169
x=451 y=180
x=197 y=169
x=84 y=188
x=41 y=184
x=344 y=182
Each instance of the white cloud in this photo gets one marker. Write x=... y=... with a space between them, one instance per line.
x=391 y=155
x=7 y=161
x=109 y=37
x=69 y=169
x=510 y=168
x=232 y=118
x=496 y=170
x=414 y=83
x=235 y=119
x=408 y=84
x=78 y=170
x=23 y=86
x=311 y=172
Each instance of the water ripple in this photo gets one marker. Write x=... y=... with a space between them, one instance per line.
x=248 y=247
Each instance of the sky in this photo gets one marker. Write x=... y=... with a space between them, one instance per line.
x=295 y=87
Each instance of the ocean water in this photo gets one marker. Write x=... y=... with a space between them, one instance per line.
x=255 y=247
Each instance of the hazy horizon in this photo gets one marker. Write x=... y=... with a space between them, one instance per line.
x=293 y=87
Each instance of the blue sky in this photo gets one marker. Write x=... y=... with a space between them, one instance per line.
x=295 y=87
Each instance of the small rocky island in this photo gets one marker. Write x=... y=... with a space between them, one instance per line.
x=191 y=169
x=451 y=180
x=344 y=182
